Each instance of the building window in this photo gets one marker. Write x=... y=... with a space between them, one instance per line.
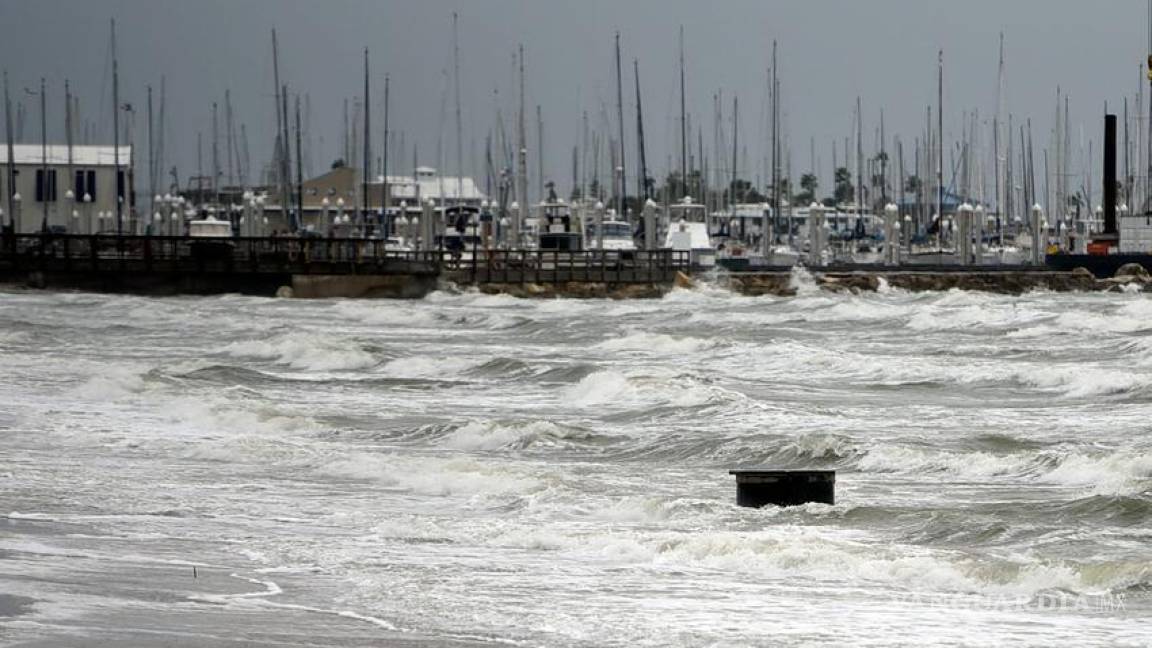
x=85 y=183
x=45 y=185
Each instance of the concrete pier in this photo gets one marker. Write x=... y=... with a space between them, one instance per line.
x=1010 y=281
x=758 y=488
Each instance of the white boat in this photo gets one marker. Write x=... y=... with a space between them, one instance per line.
x=617 y=236
x=210 y=228
x=688 y=232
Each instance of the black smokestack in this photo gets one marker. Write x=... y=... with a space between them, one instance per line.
x=1110 y=174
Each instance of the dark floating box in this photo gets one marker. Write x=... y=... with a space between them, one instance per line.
x=757 y=488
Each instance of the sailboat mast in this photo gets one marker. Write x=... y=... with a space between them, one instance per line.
x=775 y=152
x=116 y=134
x=282 y=175
x=684 y=123
x=459 y=121
x=522 y=158
x=940 y=148
x=640 y=135
x=151 y=160
x=11 y=179
x=735 y=138
x=620 y=121
x=860 y=171
x=366 y=169
x=215 y=160
x=384 y=163
x=299 y=163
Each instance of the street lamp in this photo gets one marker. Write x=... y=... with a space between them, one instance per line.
x=17 y=201
x=474 y=221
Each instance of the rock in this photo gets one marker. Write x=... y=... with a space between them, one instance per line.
x=285 y=292
x=1133 y=272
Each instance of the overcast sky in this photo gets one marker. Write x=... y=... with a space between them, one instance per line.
x=830 y=51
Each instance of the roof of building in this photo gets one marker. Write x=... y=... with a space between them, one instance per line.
x=32 y=154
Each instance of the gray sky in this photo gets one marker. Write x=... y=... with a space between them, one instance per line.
x=830 y=52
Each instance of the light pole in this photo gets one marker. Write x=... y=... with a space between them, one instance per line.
x=71 y=198
x=17 y=207
x=474 y=221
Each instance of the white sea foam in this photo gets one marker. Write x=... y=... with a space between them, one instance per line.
x=112 y=382
x=654 y=343
x=966 y=465
x=601 y=387
x=495 y=435
x=1125 y=472
x=444 y=367
x=431 y=476
x=307 y=351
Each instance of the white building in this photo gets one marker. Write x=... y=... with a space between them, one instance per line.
x=74 y=191
x=427 y=183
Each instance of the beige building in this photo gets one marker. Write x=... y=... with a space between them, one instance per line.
x=74 y=191
x=340 y=190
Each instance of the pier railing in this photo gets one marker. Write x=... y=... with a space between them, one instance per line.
x=556 y=266
x=291 y=255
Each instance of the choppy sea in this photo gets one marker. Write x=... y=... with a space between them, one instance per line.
x=472 y=469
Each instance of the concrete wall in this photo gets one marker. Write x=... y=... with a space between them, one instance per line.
x=396 y=286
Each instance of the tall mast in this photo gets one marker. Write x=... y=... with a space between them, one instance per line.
x=998 y=138
x=775 y=150
x=1148 y=177
x=620 y=118
x=522 y=156
x=116 y=134
x=883 y=162
x=459 y=121
x=281 y=131
x=229 y=177
x=299 y=163
x=69 y=178
x=151 y=164
x=298 y=221
x=861 y=173
x=45 y=185
x=640 y=135
x=384 y=164
x=160 y=131
x=540 y=151
x=735 y=137
x=366 y=169
x=940 y=149
x=215 y=160
x=10 y=181
x=684 y=122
